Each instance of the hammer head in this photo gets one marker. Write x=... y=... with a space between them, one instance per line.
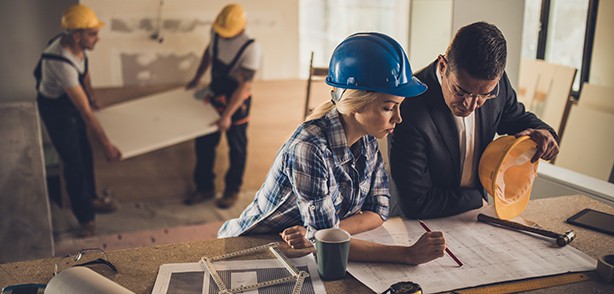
x=566 y=238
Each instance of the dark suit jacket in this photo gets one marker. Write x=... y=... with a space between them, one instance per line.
x=425 y=154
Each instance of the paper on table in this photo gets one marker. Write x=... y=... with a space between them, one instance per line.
x=192 y=278
x=490 y=254
x=156 y=121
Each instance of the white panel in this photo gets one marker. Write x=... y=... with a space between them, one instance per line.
x=157 y=121
x=554 y=180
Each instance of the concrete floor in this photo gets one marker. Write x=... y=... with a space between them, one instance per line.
x=139 y=224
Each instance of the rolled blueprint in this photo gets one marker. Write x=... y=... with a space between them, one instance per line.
x=80 y=279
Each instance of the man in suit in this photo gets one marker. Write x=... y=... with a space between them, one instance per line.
x=434 y=152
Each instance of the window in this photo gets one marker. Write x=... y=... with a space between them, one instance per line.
x=556 y=31
x=566 y=30
x=325 y=23
x=531 y=28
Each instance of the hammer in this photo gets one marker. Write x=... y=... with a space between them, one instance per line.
x=561 y=239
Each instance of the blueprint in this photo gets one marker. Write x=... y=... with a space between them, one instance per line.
x=490 y=254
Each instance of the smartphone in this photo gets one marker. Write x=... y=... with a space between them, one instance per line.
x=595 y=220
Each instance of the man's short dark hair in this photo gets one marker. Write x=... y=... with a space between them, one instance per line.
x=479 y=49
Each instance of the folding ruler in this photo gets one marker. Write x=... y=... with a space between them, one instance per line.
x=295 y=274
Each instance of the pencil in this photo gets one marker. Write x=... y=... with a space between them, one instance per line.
x=426 y=228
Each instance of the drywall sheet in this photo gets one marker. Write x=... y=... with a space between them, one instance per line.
x=490 y=254
x=157 y=121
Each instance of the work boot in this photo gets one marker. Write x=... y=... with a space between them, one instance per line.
x=87 y=229
x=107 y=202
x=228 y=200
x=197 y=197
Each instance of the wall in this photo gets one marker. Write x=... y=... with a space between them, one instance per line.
x=434 y=23
x=427 y=42
x=602 y=64
x=127 y=55
x=27 y=25
x=25 y=230
x=506 y=15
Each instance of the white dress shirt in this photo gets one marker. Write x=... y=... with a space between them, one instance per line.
x=466 y=129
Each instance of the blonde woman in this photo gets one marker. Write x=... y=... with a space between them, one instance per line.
x=330 y=172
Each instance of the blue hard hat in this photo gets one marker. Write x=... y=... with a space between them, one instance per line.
x=373 y=62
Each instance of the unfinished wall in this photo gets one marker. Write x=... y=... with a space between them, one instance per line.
x=25 y=230
x=28 y=25
x=127 y=55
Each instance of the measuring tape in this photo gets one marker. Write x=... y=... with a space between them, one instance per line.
x=533 y=284
x=295 y=275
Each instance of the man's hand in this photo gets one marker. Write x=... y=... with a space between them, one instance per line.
x=191 y=85
x=112 y=154
x=547 y=147
x=94 y=103
x=430 y=246
x=295 y=237
x=223 y=124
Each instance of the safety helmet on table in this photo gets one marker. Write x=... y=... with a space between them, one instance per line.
x=373 y=62
x=80 y=17
x=230 y=21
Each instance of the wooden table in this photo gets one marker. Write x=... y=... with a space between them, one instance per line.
x=138 y=267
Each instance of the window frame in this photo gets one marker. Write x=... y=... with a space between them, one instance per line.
x=589 y=37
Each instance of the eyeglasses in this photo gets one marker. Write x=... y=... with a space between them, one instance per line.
x=87 y=256
x=465 y=95
x=462 y=94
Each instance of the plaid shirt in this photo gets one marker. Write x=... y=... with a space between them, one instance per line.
x=316 y=181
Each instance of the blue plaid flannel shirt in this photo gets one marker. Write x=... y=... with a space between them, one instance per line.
x=316 y=181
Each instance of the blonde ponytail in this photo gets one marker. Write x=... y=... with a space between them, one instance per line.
x=351 y=101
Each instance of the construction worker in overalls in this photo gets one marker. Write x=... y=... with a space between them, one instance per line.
x=65 y=102
x=234 y=59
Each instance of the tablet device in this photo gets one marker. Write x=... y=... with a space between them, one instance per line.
x=593 y=219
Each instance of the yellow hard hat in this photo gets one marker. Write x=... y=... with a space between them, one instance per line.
x=230 y=21
x=507 y=174
x=80 y=17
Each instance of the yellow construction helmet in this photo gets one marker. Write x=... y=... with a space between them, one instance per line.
x=80 y=17
x=230 y=21
x=507 y=174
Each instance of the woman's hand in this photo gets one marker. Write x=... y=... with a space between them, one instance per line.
x=430 y=246
x=295 y=237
